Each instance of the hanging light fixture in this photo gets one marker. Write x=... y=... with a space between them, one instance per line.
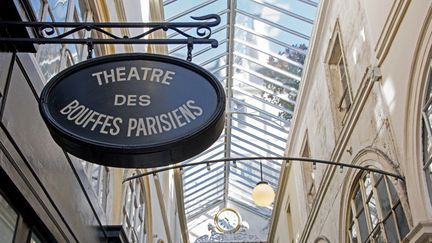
x=263 y=194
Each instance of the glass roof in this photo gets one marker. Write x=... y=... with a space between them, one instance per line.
x=259 y=61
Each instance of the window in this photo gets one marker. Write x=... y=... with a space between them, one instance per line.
x=98 y=177
x=427 y=132
x=52 y=58
x=134 y=212
x=36 y=238
x=345 y=97
x=37 y=8
x=339 y=83
x=308 y=175
x=376 y=213
x=290 y=225
x=16 y=227
x=8 y=221
x=339 y=76
x=240 y=113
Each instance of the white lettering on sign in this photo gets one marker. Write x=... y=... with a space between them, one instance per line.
x=83 y=116
x=120 y=74
x=142 y=126
x=132 y=100
x=165 y=122
x=92 y=120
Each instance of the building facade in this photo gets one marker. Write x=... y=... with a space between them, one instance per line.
x=364 y=100
x=46 y=194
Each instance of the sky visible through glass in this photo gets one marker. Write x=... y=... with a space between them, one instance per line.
x=262 y=50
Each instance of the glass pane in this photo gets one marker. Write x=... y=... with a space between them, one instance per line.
x=428 y=114
x=279 y=61
x=209 y=54
x=373 y=212
x=302 y=8
x=294 y=52
x=81 y=8
x=428 y=171
x=383 y=197
x=427 y=143
x=49 y=56
x=342 y=74
x=35 y=238
x=275 y=16
x=58 y=9
x=95 y=178
x=378 y=236
x=364 y=232
x=402 y=222
x=128 y=199
x=271 y=30
x=353 y=234
x=36 y=6
x=390 y=230
x=179 y=7
x=377 y=177
x=427 y=140
x=8 y=221
x=132 y=209
x=393 y=193
x=367 y=185
x=358 y=200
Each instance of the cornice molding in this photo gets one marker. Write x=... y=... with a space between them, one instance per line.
x=391 y=27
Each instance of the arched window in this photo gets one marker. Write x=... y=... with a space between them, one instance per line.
x=376 y=213
x=134 y=212
x=427 y=132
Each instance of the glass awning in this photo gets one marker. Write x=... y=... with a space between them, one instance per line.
x=262 y=50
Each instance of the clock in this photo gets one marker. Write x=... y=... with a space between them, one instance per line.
x=227 y=220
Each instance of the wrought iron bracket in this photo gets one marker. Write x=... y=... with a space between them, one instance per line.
x=290 y=159
x=66 y=33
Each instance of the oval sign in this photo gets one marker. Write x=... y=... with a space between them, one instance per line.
x=134 y=110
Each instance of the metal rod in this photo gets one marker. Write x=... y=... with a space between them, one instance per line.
x=45 y=32
x=16 y=40
x=261 y=171
x=216 y=20
x=309 y=160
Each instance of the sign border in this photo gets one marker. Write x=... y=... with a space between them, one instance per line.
x=136 y=156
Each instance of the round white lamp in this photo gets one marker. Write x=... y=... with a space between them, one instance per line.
x=263 y=194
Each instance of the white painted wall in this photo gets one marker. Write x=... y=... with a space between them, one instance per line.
x=383 y=124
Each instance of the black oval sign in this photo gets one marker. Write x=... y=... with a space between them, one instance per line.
x=134 y=110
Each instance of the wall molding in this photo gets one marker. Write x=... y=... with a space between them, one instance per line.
x=416 y=92
x=353 y=115
x=391 y=27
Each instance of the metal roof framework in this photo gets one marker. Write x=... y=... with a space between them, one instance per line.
x=259 y=61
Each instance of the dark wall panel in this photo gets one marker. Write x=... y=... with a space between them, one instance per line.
x=12 y=166
x=5 y=61
x=23 y=122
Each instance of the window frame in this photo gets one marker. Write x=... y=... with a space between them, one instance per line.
x=134 y=211
x=63 y=52
x=346 y=96
x=379 y=229
x=427 y=131
x=27 y=223
x=338 y=80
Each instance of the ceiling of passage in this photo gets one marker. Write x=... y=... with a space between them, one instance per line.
x=262 y=49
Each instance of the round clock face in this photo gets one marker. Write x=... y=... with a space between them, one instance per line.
x=228 y=220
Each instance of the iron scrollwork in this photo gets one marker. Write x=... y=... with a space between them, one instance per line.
x=46 y=32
